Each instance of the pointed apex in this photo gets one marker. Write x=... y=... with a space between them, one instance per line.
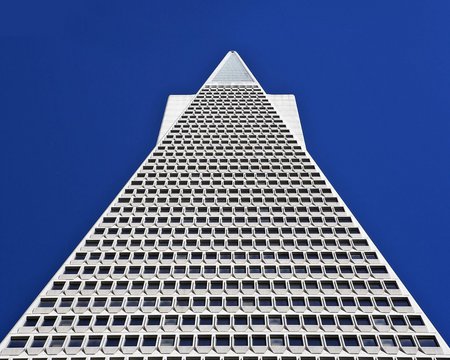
x=231 y=70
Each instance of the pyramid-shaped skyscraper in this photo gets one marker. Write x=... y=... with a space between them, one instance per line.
x=228 y=243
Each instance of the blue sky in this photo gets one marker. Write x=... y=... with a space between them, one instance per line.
x=83 y=87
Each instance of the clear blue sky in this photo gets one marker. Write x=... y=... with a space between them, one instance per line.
x=83 y=88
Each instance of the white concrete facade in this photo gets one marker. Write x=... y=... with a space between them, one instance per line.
x=228 y=243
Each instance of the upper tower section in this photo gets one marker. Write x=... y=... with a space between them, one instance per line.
x=232 y=71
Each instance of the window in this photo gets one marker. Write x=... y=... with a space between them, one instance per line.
x=94 y=341
x=131 y=341
x=31 y=321
x=48 y=321
x=75 y=341
x=295 y=340
x=204 y=340
x=112 y=341
x=223 y=320
x=276 y=340
x=206 y=320
x=416 y=321
x=332 y=341
x=188 y=320
x=17 y=343
x=38 y=342
x=167 y=340
x=119 y=321
x=388 y=341
x=171 y=320
x=369 y=341
x=327 y=320
x=292 y=320
x=57 y=341
x=47 y=303
x=313 y=340
x=403 y=302
x=398 y=321
x=241 y=340
x=149 y=341
x=154 y=320
x=380 y=320
x=259 y=341
x=310 y=320
x=427 y=341
x=362 y=320
x=351 y=341
x=275 y=320
x=186 y=340
x=222 y=340
x=345 y=320
x=407 y=341
x=136 y=320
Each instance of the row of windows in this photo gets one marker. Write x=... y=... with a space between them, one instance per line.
x=242 y=322
x=224 y=201
x=235 y=169
x=315 y=211
x=230 y=304
x=220 y=128
x=255 y=154
x=225 y=221
x=187 y=136
x=213 y=114
x=182 y=257
x=268 y=133
x=245 y=232
x=237 y=210
x=171 y=139
x=222 y=115
x=262 y=163
x=220 y=244
x=240 y=183
x=236 y=174
x=251 y=106
x=236 y=166
x=247 y=112
x=206 y=139
x=227 y=114
x=285 y=178
x=227 y=271
x=190 y=132
x=231 y=145
x=290 y=159
x=255 y=146
x=237 y=357
x=222 y=343
x=261 y=226
x=202 y=191
x=233 y=164
x=215 y=287
x=199 y=169
x=206 y=101
x=229 y=142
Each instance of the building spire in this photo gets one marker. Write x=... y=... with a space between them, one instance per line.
x=231 y=70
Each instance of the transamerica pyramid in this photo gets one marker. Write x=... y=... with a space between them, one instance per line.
x=228 y=243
